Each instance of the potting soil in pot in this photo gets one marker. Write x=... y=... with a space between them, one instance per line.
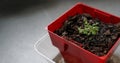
x=94 y=35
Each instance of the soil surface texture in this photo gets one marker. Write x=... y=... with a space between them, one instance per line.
x=90 y=33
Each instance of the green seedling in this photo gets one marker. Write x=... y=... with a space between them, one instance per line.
x=89 y=29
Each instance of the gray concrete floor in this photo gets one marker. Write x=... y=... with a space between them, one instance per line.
x=19 y=30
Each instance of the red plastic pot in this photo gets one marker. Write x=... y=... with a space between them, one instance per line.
x=73 y=53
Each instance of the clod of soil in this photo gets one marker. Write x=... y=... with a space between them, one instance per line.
x=94 y=35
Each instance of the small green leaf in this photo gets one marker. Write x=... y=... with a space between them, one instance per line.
x=95 y=24
x=80 y=30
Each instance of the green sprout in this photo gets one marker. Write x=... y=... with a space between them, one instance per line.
x=89 y=29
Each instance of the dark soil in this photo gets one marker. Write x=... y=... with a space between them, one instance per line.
x=98 y=41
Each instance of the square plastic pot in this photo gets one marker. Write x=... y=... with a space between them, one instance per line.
x=71 y=52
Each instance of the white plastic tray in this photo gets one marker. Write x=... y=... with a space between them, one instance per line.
x=45 y=48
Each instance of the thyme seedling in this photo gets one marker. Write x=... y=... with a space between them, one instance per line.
x=89 y=29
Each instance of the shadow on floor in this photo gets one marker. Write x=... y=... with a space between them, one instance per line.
x=10 y=7
x=114 y=59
